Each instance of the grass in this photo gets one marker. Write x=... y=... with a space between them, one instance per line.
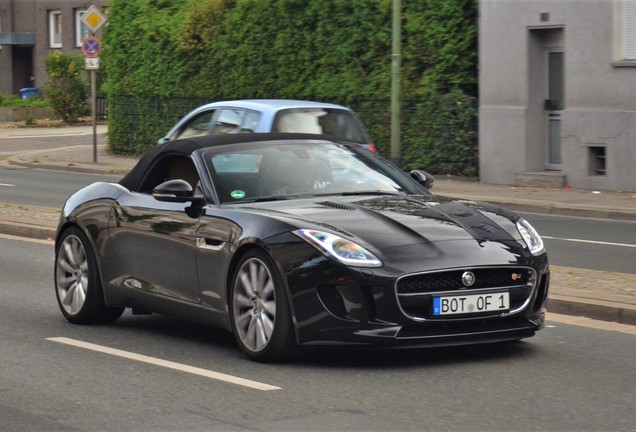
x=13 y=101
x=47 y=123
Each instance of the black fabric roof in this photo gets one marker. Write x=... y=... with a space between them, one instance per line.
x=187 y=146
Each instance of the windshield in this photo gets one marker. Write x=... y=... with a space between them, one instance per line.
x=284 y=170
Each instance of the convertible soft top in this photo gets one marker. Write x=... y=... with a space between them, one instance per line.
x=185 y=147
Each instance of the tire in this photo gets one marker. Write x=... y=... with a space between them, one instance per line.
x=259 y=310
x=78 y=286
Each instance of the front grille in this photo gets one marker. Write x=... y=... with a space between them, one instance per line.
x=452 y=279
x=415 y=293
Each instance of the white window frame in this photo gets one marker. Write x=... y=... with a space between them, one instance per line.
x=55 y=17
x=629 y=30
x=624 y=33
x=81 y=30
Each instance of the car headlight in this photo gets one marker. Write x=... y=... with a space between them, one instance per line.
x=530 y=236
x=340 y=249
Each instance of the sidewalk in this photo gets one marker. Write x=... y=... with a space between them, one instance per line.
x=594 y=294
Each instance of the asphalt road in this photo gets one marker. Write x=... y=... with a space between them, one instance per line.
x=44 y=188
x=571 y=242
x=18 y=141
x=593 y=244
x=566 y=378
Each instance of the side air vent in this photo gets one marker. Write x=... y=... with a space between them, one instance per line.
x=336 y=205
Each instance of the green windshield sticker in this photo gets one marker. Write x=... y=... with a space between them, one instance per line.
x=237 y=194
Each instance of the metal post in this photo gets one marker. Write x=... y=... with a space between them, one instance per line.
x=94 y=110
x=396 y=65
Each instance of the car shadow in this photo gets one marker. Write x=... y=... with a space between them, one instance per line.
x=208 y=336
x=418 y=357
x=174 y=328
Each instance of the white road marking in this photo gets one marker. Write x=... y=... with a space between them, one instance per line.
x=590 y=241
x=26 y=239
x=49 y=135
x=591 y=323
x=7 y=184
x=167 y=364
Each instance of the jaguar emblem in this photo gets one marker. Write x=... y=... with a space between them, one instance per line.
x=468 y=278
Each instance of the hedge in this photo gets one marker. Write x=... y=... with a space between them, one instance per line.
x=160 y=51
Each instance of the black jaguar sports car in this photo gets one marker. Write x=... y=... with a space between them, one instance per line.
x=292 y=240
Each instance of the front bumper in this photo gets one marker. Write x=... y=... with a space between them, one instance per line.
x=335 y=305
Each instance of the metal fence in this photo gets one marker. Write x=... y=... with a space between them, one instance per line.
x=439 y=133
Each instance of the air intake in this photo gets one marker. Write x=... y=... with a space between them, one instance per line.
x=336 y=205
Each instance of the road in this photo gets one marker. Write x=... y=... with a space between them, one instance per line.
x=16 y=141
x=566 y=378
x=572 y=242
x=44 y=188
x=588 y=243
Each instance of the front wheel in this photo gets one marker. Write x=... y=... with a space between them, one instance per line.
x=261 y=319
x=78 y=287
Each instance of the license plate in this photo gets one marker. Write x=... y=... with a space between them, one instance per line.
x=468 y=304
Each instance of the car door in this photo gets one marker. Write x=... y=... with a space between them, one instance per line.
x=155 y=242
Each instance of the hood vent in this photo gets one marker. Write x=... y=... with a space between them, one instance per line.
x=336 y=205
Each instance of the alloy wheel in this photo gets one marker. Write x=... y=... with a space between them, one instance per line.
x=254 y=304
x=72 y=275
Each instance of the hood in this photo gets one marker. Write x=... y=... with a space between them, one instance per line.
x=389 y=221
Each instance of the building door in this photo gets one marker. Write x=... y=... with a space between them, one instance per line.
x=554 y=105
x=22 y=68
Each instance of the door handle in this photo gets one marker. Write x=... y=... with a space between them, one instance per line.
x=209 y=244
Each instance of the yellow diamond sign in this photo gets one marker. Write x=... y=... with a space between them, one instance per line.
x=93 y=19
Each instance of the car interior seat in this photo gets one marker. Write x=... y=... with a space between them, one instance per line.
x=183 y=168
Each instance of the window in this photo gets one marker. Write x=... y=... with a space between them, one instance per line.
x=198 y=126
x=228 y=121
x=81 y=31
x=629 y=31
x=55 y=29
x=337 y=122
x=625 y=33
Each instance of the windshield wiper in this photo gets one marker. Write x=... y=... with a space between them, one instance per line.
x=274 y=198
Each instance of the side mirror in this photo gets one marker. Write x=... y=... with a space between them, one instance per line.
x=179 y=191
x=423 y=178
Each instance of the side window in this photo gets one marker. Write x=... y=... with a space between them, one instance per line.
x=170 y=167
x=337 y=122
x=252 y=118
x=342 y=124
x=298 y=121
x=229 y=121
x=197 y=126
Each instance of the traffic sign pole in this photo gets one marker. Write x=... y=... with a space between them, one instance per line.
x=94 y=111
x=91 y=47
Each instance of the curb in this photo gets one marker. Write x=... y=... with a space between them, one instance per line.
x=598 y=310
x=74 y=168
x=551 y=209
x=27 y=230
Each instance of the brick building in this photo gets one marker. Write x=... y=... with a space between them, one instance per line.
x=30 y=30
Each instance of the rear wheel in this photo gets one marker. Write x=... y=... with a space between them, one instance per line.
x=78 y=287
x=261 y=319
